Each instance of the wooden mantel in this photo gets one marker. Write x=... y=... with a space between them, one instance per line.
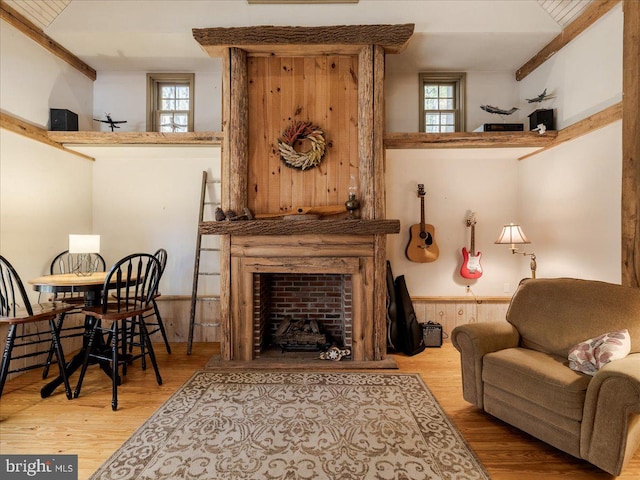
x=295 y=41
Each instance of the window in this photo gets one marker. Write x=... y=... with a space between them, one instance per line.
x=442 y=102
x=170 y=102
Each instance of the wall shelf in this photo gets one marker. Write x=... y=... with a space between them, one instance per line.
x=469 y=140
x=135 y=138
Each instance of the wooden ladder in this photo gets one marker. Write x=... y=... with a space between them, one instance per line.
x=196 y=268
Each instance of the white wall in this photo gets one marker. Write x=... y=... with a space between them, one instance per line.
x=494 y=88
x=32 y=81
x=148 y=198
x=124 y=96
x=573 y=220
x=457 y=182
x=45 y=193
x=570 y=195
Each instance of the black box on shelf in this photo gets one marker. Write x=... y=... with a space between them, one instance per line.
x=432 y=334
x=541 y=116
x=62 y=120
x=504 y=127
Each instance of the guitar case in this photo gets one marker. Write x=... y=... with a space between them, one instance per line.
x=393 y=336
x=410 y=331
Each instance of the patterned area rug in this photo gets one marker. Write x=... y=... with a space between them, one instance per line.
x=297 y=426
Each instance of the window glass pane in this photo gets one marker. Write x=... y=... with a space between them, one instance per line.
x=432 y=119
x=445 y=104
x=431 y=91
x=165 y=122
x=431 y=104
x=448 y=118
x=182 y=91
x=432 y=129
x=446 y=91
x=182 y=105
x=181 y=120
x=168 y=91
x=168 y=105
x=447 y=128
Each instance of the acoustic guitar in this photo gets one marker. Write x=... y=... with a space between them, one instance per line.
x=471 y=267
x=422 y=246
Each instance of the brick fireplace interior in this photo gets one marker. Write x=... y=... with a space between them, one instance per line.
x=318 y=299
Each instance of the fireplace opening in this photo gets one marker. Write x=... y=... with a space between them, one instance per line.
x=296 y=312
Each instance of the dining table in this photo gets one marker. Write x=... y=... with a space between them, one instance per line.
x=91 y=286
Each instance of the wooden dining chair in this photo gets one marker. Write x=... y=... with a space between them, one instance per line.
x=134 y=283
x=26 y=335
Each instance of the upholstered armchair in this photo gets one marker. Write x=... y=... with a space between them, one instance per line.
x=518 y=370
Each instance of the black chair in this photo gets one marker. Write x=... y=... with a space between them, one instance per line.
x=24 y=335
x=64 y=263
x=134 y=281
x=152 y=326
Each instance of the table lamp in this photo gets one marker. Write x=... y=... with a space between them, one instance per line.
x=84 y=246
x=513 y=235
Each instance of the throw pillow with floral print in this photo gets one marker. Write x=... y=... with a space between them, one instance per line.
x=591 y=355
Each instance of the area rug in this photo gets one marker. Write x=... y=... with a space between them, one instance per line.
x=296 y=426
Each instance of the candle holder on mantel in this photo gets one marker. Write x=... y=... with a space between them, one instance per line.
x=352 y=205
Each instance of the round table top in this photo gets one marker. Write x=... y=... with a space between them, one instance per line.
x=68 y=282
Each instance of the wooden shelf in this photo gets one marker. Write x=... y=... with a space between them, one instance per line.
x=469 y=140
x=301 y=227
x=136 y=138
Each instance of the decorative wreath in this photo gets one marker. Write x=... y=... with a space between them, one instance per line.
x=299 y=130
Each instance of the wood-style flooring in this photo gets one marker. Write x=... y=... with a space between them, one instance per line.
x=87 y=426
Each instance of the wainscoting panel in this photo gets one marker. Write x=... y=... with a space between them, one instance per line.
x=453 y=311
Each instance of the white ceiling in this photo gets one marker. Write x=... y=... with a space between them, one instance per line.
x=147 y=35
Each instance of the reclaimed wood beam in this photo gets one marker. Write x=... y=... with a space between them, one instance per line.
x=588 y=17
x=21 y=127
x=295 y=41
x=301 y=227
x=468 y=140
x=582 y=127
x=36 y=34
x=136 y=138
x=631 y=145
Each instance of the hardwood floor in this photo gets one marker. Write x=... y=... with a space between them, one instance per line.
x=87 y=426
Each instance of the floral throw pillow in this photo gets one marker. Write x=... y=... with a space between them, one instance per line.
x=589 y=356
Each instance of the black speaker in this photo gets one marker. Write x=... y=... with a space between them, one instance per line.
x=541 y=116
x=63 y=120
x=504 y=127
x=432 y=333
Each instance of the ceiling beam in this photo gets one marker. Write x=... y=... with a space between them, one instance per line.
x=293 y=41
x=36 y=34
x=631 y=145
x=591 y=14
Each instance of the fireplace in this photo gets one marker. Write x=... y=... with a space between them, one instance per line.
x=305 y=312
x=275 y=78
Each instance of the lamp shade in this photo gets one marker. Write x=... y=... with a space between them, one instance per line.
x=512 y=234
x=84 y=243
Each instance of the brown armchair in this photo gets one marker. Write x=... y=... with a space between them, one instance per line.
x=518 y=370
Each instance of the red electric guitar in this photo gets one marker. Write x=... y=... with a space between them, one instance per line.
x=471 y=267
x=422 y=246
